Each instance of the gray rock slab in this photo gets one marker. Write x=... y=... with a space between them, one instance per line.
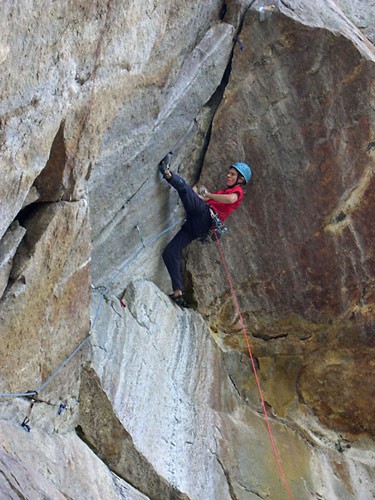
x=8 y=247
x=39 y=465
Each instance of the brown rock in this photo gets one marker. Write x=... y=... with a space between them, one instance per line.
x=44 y=313
x=300 y=248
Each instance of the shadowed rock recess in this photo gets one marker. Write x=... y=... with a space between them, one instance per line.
x=137 y=398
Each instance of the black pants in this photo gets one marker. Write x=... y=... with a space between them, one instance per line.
x=198 y=223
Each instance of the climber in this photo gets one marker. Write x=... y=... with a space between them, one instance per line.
x=198 y=215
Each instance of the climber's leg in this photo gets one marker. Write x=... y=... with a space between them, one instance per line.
x=172 y=257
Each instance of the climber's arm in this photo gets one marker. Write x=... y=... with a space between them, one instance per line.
x=227 y=199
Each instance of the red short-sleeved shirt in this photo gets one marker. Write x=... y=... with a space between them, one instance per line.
x=225 y=209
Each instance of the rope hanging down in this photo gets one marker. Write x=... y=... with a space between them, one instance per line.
x=246 y=336
x=103 y=289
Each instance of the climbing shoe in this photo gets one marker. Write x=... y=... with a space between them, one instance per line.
x=164 y=166
x=179 y=300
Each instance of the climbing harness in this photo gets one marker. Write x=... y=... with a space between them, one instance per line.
x=217 y=230
x=246 y=336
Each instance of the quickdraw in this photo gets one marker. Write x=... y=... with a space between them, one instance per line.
x=26 y=420
x=217 y=230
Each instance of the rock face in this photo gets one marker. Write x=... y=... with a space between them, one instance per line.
x=168 y=385
x=147 y=400
x=303 y=241
x=127 y=169
x=38 y=465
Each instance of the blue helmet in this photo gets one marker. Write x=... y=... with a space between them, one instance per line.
x=244 y=170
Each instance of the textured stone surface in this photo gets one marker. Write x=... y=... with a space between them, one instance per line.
x=37 y=465
x=166 y=383
x=92 y=96
x=124 y=177
x=100 y=427
x=361 y=14
x=162 y=398
x=44 y=312
x=8 y=247
x=354 y=20
x=300 y=251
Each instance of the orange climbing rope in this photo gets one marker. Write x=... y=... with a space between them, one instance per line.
x=246 y=336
